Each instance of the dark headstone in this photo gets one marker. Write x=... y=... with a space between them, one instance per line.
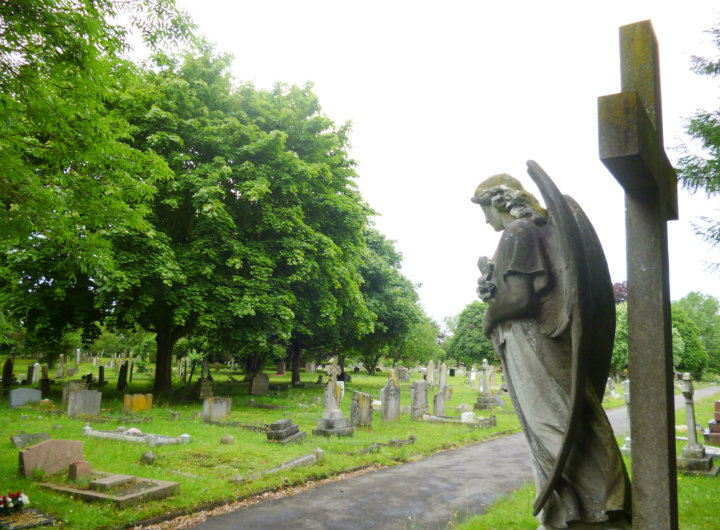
x=45 y=387
x=452 y=372
x=132 y=368
x=122 y=377
x=101 y=376
x=7 y=373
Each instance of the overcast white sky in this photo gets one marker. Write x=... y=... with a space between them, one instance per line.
x=445 y=94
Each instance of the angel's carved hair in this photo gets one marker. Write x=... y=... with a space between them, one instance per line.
x=507 y=194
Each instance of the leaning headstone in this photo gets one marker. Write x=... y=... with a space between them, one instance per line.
x=361 y=411
x=430 y=374
x=84 y=402
x=693 y=459
x=285 y=432
x=280 y=368
x=30 y=374
x=260 y=385
x=306 y=460
x=137 y=402
x=419 y=400
x=7 y=373
x=22 y=396
x=390 y=398
x=216 y=408
x=49 y=456
x=101 y=376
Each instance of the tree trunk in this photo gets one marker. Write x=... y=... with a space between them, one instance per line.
x=163 y=363
x=296 y=349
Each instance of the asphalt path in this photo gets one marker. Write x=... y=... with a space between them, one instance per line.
x=426 y=494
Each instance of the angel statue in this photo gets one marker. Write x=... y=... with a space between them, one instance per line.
x=551 y=318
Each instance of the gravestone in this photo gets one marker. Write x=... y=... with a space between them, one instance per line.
x=30 y=374
x=132 y=367
x=122 y=377
x=44 y=372
x=61 y=367
x=71 y=372
x=439 y=403
x=216 y=408
x=361 y=411
x=403 y=375
x=280 y=368
x=121 y=489
x=442 y=380
x=693 y=459
x=390 y=398
x=485 y=399
x=260 y=385
x=27 y=518
x=49 y=456
x=137 y=402
x=626 y=448
x=135 y=436
x=21 y=396
x=7 y=373
x=419 y=400
x=632 y=148
x=285 y=432
x=101 y=376
x=45 y=387
x=72 y=386
x=430 y=374
x=84 y=402
x=20 y=441
x=332 y=422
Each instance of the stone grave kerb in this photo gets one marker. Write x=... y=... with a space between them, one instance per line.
x=631 y=147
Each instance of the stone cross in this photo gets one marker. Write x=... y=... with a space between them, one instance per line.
x=631 y=147
x=332 y=370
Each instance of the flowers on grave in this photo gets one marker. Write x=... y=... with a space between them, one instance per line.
x=14 y=502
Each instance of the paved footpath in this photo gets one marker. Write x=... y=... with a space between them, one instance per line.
x=422 y=495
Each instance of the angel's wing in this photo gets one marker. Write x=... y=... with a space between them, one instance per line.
x=584 y=283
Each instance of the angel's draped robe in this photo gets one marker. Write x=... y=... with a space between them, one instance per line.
x=538 y=374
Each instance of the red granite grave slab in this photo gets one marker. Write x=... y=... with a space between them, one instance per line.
x=50 y=456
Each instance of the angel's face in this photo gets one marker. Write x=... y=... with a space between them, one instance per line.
x=495 y=218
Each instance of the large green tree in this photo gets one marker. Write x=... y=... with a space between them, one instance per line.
x=694 y=358
x=256 y=238
x=468 y=343
x=67 y=177
x=704 y=310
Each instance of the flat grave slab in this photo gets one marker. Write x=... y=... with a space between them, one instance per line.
x=123 y=490
x=28 y=518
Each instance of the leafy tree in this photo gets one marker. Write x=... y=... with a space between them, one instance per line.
x=702 y=171
x=694 y=358
x=67 y=177
x=468 y=343
x=704 y=310
x=421 y=343
x=390 y=296
x=620 y=291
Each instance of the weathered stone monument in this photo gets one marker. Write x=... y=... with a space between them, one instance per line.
x=419 y=400
x=551 y=319
x=122 y=377
x=259 y=385
x=402 y=374
x=693 y=459
x=430 y=374
x=285 y=432
x=442 y=380
x=332 y=422
x=22 y=396
x=280 y=368
x=632 y=148
x=361 y=411
x=390 y=398
x=84 y=402
x=216 y=408
x=439 y=403
x=49 y=456
x=485 y=399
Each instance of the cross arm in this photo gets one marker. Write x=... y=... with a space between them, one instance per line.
x=629 y=148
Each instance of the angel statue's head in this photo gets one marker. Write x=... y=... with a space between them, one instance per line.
x=503 y=199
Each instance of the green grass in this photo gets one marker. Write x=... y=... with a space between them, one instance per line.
x=210 y=463
x=697 y=496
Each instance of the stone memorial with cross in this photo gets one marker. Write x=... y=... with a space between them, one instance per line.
x=631 y=147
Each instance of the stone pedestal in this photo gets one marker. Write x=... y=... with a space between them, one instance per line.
x=284 y=432
x=332 y=423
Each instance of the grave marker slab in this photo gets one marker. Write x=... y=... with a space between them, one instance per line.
x=49 y=456
x=21 y=441
x=260 y=385
x=22 y=396
x=137 y=402
x=390 y=398
x=84 y=402
x=361 y=411
x=28 y=518
x=419 y=399
x=216 y=408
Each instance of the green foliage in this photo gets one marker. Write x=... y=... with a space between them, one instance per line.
x=468 y=343
x=390 y=296
x=694 y=358
x=702 y=171
x=421 y=343
x=704 y=310
x=619 y=360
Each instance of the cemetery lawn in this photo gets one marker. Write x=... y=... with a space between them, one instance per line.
x=203 y=467
x=697 y=496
